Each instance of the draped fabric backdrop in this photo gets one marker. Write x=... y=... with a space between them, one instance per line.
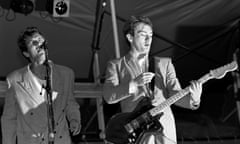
x=192 y=23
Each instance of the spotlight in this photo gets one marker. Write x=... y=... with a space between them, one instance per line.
x=61 y=8
x=22 y=6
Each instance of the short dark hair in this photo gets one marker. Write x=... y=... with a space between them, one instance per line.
x=24 y=35
x=131 y=24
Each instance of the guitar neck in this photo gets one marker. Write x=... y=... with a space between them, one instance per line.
x=154 y=111
x=144 y=118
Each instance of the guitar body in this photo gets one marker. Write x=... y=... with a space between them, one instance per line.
x=116 y=132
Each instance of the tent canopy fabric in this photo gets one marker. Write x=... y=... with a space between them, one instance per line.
x=197 y=34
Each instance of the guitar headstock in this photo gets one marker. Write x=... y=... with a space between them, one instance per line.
x=221 y=71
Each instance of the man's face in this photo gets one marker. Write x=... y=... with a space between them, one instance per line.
x=142 y=38
x=35 y=53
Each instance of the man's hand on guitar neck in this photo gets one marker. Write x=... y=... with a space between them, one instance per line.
x=195 y=90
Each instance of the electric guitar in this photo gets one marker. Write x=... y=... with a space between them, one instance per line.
x=126 y=128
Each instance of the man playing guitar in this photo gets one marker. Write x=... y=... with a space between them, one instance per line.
x=128 y=81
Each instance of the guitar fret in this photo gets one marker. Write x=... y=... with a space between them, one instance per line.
x=169 y=101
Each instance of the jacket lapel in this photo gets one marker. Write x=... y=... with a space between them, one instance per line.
x=23 y=82
x=132 y=66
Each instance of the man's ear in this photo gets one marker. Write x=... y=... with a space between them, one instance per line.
x=26 y=54
x=129 y=37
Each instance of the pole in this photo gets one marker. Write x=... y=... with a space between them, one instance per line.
x=100 y=10
x=49 y=99
x=236 y=54
x=115 y=30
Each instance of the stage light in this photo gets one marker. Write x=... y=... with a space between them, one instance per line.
x=22 y=6
x=61 y=8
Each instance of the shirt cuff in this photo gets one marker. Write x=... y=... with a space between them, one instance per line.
x=132 y=88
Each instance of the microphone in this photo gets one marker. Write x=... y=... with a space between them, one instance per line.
x=44 y=45
x=45 y=48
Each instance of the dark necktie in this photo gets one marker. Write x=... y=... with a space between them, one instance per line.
x=151 y=68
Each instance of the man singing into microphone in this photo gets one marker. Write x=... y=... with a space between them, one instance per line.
x=25 y=115
x=128 y=77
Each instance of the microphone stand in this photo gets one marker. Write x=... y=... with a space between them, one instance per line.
x=50 y=114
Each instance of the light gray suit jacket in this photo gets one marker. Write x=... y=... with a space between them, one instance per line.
x=31 y=127
x=121 y=71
